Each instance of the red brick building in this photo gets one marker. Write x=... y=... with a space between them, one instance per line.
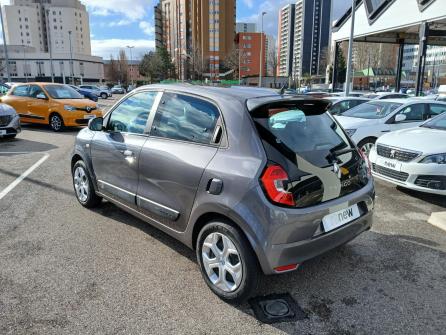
x=249 y=46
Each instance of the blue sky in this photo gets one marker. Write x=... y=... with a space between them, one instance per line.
x=115 y=24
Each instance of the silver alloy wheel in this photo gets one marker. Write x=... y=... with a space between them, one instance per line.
x=222 y=262
x=81 y=184
x=56 y=122
x=367 y=147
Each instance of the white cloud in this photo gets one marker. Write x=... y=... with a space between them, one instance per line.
x=132 y=9
x=107 y=47
x=120 y=23
x=147 y=27
x=249 y=3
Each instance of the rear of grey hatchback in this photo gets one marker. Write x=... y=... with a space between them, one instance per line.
x=277 y=179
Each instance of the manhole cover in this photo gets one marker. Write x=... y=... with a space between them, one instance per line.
x=276 y=308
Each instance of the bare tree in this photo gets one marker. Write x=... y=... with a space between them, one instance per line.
x=123 y=67
x=232 y=61
x=272 y=61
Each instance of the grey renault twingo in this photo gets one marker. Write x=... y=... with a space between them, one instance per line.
x=255 y=182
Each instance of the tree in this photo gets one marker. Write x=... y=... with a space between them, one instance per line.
x=232 y=62
x=342 y=66
x=272 y=61
x=151 y=66
x=167 y=67
x=113 y=70
x=123 y=68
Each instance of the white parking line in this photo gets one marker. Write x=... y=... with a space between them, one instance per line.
x=23 y=176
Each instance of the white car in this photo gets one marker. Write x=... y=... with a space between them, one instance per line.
x=414 y=158
x=369 y=121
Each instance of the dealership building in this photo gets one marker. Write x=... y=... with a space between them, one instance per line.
x=418 y=27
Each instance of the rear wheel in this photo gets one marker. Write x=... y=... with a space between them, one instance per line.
x=83 y=186
x=227 y=262
x=104 y=95
x=56 y=122
x=366 y=145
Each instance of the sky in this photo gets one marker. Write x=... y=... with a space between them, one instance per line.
x=115 y=24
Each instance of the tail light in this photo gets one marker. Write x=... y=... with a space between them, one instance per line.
x=367 y=161
x=274 y=180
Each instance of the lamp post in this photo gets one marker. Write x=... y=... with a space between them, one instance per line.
x=131 y=60
x=71 y=59
x=350 y=50
x=50 y=48
x=4 y=46
x=261 y=52
x=24 y=63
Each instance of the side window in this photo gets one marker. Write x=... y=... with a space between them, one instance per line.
x=435 y=109
x=131 y=115
x=21 y=91
x=185 y=118
x=413 y=113
x=34 y=90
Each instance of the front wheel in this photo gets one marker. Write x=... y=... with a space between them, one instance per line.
x=56 y=122
x=227 y=262
x=366 y=145
x=104 y=95
x=83 y=186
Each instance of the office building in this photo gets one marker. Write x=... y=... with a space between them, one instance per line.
x=198 y=34
x=249 y=45
x=243 y=27
x=38 y=29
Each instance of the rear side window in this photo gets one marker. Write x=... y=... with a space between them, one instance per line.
x=437 y=109
x=414 y=113
x=21 y=91
x=185 y=118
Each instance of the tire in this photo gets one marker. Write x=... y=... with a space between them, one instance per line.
x=232 y=289
x=9 y=136
x=83 y=186
x=56 y=122
x=104 y=95
x=366 y=145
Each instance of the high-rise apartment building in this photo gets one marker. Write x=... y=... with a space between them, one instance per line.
x=200 y=32
x=285 y=40
x=243 y=27
x=38 y=29
x=304 y=36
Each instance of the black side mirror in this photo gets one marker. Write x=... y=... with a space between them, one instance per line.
x=96 y=124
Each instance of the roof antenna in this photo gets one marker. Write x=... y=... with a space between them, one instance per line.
x=282 y=90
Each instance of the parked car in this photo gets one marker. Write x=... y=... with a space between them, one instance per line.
x=367 y=122
x=86 y=93
x=385 y=95
x=414 y=158
x=57 y=105
x=100 y=92
x=254 y=183
x=339 y=105
x=4 y=89
x=117 y=89
x=9 y=122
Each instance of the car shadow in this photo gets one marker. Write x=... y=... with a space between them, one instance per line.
x=46 y=129
x=434 y=199
x=356 y=288
x=24 y=145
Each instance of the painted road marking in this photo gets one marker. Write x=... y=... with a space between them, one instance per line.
x=25 y=174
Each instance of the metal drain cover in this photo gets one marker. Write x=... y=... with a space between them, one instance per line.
x=276 y=308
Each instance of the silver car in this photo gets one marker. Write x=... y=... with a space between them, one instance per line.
x=256 y=183
x=9 y=122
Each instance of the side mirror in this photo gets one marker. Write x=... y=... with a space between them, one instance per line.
x=96 y=124
x=400 y=118
x=41 y=96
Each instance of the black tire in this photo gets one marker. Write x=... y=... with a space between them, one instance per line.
x=250 y=268
x=56 y=122
x=104 y=95
x=92 y=200
x=365 y=141
x=9 y=136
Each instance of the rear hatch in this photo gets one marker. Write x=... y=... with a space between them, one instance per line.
x=311 y=160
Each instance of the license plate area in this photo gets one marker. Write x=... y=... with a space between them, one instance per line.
x=2 y=132
x=389 y=163
x=90 y=116
x=340 y=218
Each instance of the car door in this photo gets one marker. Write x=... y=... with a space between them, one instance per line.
x=415 y=115
x=38 y=106
x=183 y=139
x=115 y=152
x=18 y=99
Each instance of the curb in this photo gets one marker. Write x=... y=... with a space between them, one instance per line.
x=438 y=220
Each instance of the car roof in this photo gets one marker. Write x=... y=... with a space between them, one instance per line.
x=335 y=98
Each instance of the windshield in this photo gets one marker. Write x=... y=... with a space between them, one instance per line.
x=62 y=92
x=436 y=123
x=373 y=110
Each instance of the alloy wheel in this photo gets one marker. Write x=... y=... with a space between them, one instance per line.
x=81 y=184
x=367 y=147
x=56 y=122
x=222 y=262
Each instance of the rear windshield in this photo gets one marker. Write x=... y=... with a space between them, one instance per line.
x=62 y=92
x=372 y=110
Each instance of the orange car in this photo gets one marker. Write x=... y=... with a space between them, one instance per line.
x=54 y=104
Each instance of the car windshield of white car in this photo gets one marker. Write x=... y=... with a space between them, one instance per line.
x=372 y=110
x=436 y=123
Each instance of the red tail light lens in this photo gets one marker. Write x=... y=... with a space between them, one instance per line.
x=274 y=179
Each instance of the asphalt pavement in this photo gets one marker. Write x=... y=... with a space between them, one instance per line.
x=65 y=269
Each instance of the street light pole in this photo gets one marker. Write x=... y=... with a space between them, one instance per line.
x=261 y=53
x=350 y=50
x=50 y=48
x=24 y=63
x=131 y=60
x=4 y=46
x=71 y=59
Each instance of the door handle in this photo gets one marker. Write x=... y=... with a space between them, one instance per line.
x=385 y=131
